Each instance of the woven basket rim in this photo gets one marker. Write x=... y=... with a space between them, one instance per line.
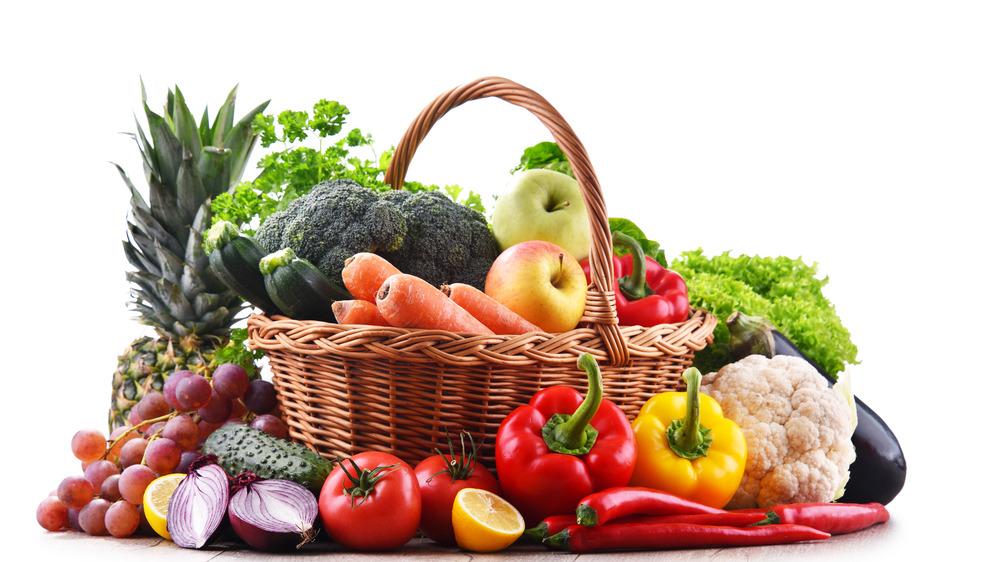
x=317 y=338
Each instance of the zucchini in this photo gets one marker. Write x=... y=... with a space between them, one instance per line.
x=299 y=289
x=235 y=259
x=241 y=448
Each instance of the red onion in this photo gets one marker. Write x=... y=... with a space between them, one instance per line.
x=272 y=514
x=198 y=505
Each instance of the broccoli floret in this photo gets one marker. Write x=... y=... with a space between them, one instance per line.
x=446 y=242
x=332 y=222
x=422 y=233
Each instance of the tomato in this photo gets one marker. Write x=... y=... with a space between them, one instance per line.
x=441 y=477
x=371 y=502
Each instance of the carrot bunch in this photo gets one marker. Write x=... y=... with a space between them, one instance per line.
x=385 y=296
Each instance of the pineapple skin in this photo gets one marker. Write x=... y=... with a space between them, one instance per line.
x=145 y=365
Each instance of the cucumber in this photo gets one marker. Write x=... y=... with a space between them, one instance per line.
x=299 y=289
x=241 y=448
x=235 y=259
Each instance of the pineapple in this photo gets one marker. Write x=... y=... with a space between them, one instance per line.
x=173 y=288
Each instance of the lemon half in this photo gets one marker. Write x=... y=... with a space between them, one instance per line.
x=484 y=521
x=155 y=500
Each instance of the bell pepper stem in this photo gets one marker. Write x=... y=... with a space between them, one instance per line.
x=633 y=286
x=572 y=434
x=686 y=437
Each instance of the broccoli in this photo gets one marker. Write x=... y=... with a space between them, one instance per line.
x=333 y=221
x=425 y=233
x=445 y=242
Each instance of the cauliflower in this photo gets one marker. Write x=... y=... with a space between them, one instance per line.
x=798 y=430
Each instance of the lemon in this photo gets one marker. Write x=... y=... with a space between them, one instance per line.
x=484 y=521
x=155 y=499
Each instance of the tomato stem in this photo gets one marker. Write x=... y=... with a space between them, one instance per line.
x=362 y=482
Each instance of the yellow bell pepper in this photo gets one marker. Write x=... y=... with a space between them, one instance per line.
x=686 y=446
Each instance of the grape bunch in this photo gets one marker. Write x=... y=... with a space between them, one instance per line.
x=165 y=435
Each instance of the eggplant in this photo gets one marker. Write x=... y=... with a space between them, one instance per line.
x=879 y=471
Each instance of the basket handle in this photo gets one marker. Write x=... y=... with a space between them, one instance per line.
x=600 y=307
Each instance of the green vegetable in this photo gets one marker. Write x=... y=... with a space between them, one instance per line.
x=784 y=290
x=445 y=242
x=235 y=259
x=545 y=155
x=299 y=289
x=424 y=233
x=292 y=171
x=240 y=448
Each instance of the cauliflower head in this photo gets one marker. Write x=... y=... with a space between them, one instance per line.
x=798 y=430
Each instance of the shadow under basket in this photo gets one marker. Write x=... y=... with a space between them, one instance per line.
x=345 y=389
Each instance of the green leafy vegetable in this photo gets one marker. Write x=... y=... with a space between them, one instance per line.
x=784 y=290
x=294 y=168
x=545 y=155
x=236 y=351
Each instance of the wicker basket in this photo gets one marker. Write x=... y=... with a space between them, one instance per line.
x=345 y=389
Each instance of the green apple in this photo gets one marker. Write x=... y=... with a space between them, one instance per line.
x=541 y=204
x=541 y=282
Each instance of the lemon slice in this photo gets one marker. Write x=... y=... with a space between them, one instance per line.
x=155 y=500
x=484 y=521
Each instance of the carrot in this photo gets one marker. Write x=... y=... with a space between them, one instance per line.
x=488 y=310
x=364 y=273
x=408 y=301
x=358 y=312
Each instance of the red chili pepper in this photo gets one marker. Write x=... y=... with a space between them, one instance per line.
x=561 y=446
x=658 y=536
x=556 y=523
x=646 y=293
x=613 y=503
x=549 y=526
x=833 y=518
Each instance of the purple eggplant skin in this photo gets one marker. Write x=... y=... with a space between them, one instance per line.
x=879 y=472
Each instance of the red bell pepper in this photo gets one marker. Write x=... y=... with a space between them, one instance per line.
x=561 y=447
x=646 y=293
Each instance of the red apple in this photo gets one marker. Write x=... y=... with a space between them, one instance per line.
x=540 y=281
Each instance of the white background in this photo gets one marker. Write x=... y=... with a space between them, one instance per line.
x=863 y=136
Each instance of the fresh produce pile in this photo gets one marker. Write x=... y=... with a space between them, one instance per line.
x=766 y=444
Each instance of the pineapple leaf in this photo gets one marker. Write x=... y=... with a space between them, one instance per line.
x=135 y=257
x=173 y=297
x=151 y=228
x=191 y=190
x=214 y=165
x=142 y=247
x=223 y=119
x=137 y=199
x=185 y=128
x=191 y=283
x=167 y=150
x=240 y=140
x=164 y=209
x=171 y=266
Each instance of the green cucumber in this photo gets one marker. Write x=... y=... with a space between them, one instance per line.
x=241 y=448
x=235 y=259
x=299 y=289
